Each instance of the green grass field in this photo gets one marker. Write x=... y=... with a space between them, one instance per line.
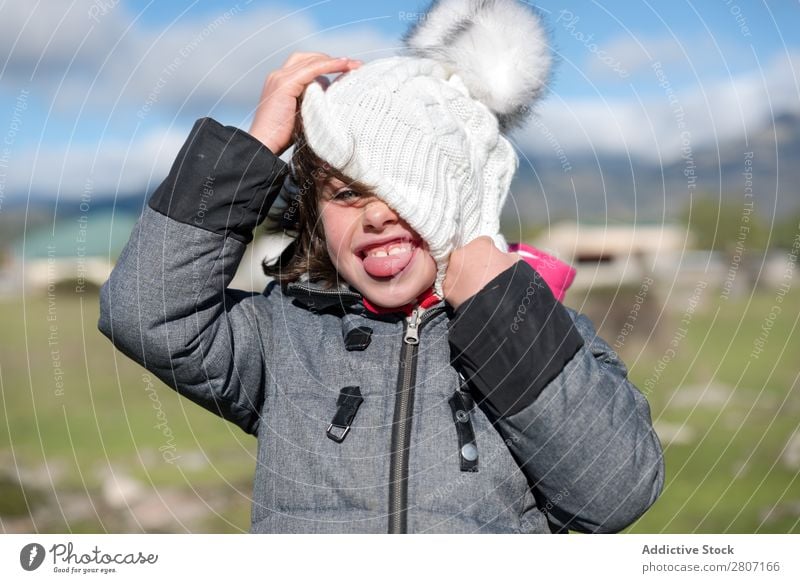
x=107 y=421
x=729 y=457
x=730 y=467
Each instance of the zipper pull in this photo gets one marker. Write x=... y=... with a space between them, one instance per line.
x=412 y=329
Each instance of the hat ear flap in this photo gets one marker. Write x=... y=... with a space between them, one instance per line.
x=498 y=171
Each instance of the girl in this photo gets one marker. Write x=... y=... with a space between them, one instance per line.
x=403 y=372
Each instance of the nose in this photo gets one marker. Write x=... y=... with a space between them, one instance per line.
x=378 y=215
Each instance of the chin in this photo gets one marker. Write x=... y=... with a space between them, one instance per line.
x=390 y=294
x=394 y=291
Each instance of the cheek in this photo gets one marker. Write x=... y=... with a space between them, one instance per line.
x=430 y=267
x=338 y=228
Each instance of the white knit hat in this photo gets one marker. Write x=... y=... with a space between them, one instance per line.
x=424 y=130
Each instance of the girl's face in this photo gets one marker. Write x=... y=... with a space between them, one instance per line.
x=372 y=248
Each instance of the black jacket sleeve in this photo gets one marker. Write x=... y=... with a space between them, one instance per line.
x=167 y=304
x=580 y=431
x=224 y=180
x=513 y=338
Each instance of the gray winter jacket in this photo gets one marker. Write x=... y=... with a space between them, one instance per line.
x=508 y=415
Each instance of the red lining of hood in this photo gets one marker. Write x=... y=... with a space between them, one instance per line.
x=424 y=300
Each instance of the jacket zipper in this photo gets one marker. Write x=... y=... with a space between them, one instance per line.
x=401 y=427
x=403 y=408
x=325 y=292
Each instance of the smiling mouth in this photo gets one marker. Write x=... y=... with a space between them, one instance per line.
x=395 y=247
x=388 y=259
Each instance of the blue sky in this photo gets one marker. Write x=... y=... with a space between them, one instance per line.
x=88 y=96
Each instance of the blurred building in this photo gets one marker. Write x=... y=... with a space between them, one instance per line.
x=613 y=255
x=79 y=251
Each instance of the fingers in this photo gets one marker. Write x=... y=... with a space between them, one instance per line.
x=304 y=67
x=306 y=71
x=276 y=110
x=295 y=58
x=300 y=61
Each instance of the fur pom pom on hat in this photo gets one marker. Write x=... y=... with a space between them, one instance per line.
x=497 y=47
x=425 y=129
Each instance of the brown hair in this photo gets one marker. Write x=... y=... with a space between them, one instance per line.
x=308 y=254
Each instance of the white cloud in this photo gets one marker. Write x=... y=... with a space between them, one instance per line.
x=97 y=64
x=42 y=39
x=112 y=166
x=635 y=54
x=194 y=62
x=714 y=111
x=113 y=65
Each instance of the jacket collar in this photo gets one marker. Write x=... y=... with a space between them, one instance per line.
x=317 y=297
x=349 y=304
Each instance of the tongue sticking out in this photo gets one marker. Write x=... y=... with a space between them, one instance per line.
x=389 y=265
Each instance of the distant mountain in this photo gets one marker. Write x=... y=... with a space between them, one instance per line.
x=644 y=190
x=610 y=187
x=41 y=211
x=100 y=202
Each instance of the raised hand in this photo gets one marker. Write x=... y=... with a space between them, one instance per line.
x=275 y=115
